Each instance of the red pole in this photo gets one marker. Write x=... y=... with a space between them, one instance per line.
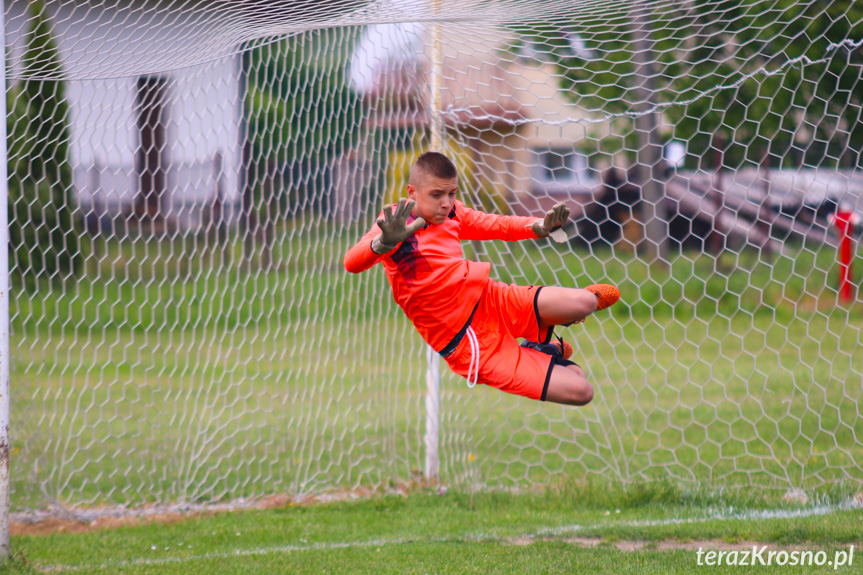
x=844 y=221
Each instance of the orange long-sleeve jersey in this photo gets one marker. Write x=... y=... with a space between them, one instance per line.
x=431 y=280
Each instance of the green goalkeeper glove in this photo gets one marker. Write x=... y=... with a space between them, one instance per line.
x=394 y=228
x=554 y=219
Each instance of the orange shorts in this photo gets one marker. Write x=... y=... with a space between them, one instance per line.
x=504 y=313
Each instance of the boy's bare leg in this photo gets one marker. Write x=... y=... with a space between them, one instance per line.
x=568 y=386
x=561 y=306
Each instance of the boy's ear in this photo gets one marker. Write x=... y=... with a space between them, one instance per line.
x=412 y=192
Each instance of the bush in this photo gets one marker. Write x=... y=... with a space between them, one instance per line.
x=45 y=238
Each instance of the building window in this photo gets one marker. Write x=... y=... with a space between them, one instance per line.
x=561 y=167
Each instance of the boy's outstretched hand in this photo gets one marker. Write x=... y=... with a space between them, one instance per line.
x=394 y=228
x=554 y=219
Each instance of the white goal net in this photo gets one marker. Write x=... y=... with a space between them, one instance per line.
x=185 y=178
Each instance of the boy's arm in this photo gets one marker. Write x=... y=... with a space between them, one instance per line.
x=361 y=257
x=478 y=225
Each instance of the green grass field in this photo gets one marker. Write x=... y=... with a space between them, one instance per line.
x=571 y=528
x=165 y=376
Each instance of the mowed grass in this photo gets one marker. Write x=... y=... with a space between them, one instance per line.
x=167 y=375
x=594 y=528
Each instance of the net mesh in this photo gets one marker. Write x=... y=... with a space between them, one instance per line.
x=185 y=178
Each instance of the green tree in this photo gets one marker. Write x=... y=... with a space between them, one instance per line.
x=29 y=238
x=767 y=75
x=299 y=99
x=300 y=107
x=45 y=237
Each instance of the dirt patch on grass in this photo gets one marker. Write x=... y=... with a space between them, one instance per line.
x=665 y=544
x=672 y=544
x=61 y=520
x=71 y=525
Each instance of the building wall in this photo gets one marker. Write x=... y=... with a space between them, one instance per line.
x=203 y=106
x=487 y=79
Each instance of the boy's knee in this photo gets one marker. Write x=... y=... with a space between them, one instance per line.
x=569 y=386
x=584 y=395
x=582 y=391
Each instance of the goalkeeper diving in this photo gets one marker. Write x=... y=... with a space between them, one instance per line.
x=474 y=322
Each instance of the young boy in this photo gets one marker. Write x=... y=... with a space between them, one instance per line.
x=471 y=320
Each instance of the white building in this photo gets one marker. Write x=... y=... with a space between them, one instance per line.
x=111 y=57
x=508 y=109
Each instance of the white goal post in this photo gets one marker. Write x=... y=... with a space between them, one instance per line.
x=5 y=477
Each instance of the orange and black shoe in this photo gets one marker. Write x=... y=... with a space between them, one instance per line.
x=558 y=349
x=606 y=295
x=565 y=348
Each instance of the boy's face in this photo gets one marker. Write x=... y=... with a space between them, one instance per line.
x=434 y=197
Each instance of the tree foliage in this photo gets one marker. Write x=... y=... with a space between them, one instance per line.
x=775 y=76
x=299 y=101
x=45 y=237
